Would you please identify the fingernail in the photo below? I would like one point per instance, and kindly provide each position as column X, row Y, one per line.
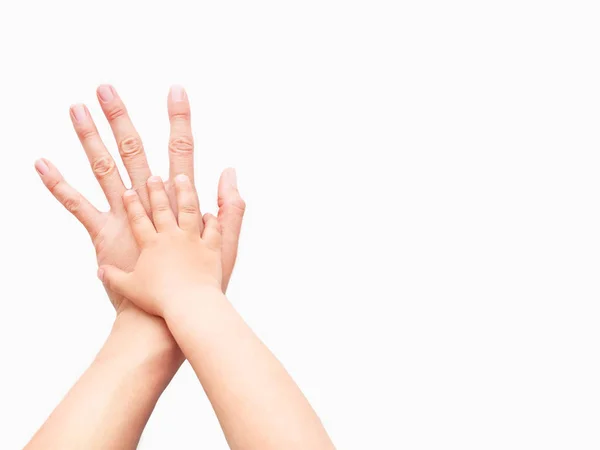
column 154, row 179
column 177, row 93
column 105, row 92
column 78, row 112
column 130, row 193
column 101, row 274
column 231, row 177
column 41, row 167
column 181, row 178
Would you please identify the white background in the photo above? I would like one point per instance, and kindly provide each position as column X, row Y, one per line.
column 421, row 247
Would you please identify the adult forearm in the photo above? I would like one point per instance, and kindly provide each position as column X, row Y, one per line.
column 110, row 404
column 257, row 403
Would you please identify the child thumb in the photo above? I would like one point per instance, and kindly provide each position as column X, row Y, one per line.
column 115, row 279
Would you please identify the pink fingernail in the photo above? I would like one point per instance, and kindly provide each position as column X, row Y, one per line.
column 105, row 92
column 101, row 274
column 154, row 179
column 177, row 93
column 41, row 167
column 78, row 112
column 130, row 193
column 181, row 178
column 231, row 177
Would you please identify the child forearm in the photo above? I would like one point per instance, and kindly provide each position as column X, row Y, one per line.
column 257, row 403
column 178, row 276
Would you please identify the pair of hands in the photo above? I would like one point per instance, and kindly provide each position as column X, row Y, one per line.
column 113, row 240
column 176, row 264
column 160, row 259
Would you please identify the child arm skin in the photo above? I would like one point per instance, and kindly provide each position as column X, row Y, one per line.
column 110, row 404
column 177, row 277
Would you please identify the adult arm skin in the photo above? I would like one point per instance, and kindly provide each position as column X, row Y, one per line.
column 112, row 401
column 110, row 404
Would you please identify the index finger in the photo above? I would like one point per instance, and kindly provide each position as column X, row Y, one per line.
column 128, row 140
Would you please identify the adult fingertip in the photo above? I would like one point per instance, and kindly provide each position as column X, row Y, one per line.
column 106, row 93
column 177, row 93
column 229, row 178
column 41, row 167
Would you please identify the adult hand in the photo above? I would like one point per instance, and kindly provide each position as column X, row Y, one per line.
column 112, row 401
column 110, row 230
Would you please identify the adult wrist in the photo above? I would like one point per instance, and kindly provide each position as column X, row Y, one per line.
column 144, row 340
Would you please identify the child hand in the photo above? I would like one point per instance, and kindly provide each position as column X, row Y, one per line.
column 175, row 262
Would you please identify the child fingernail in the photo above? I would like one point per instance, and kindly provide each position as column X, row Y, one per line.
column 41, row 167
column 181, row 179
column 101, row 274
column 154, row 179
column 130, row 193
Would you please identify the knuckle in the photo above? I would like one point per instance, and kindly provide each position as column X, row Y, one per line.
column 182, row 115
column 162, row 207
column 181, row 146
column 72, row 204
column 103, row 166
column 53, row 185
column 239, row 204
column 137, row 216
column 131, row 147
column 236, row 204
column 87, row 133
column 188, row 209
column 115, row 113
